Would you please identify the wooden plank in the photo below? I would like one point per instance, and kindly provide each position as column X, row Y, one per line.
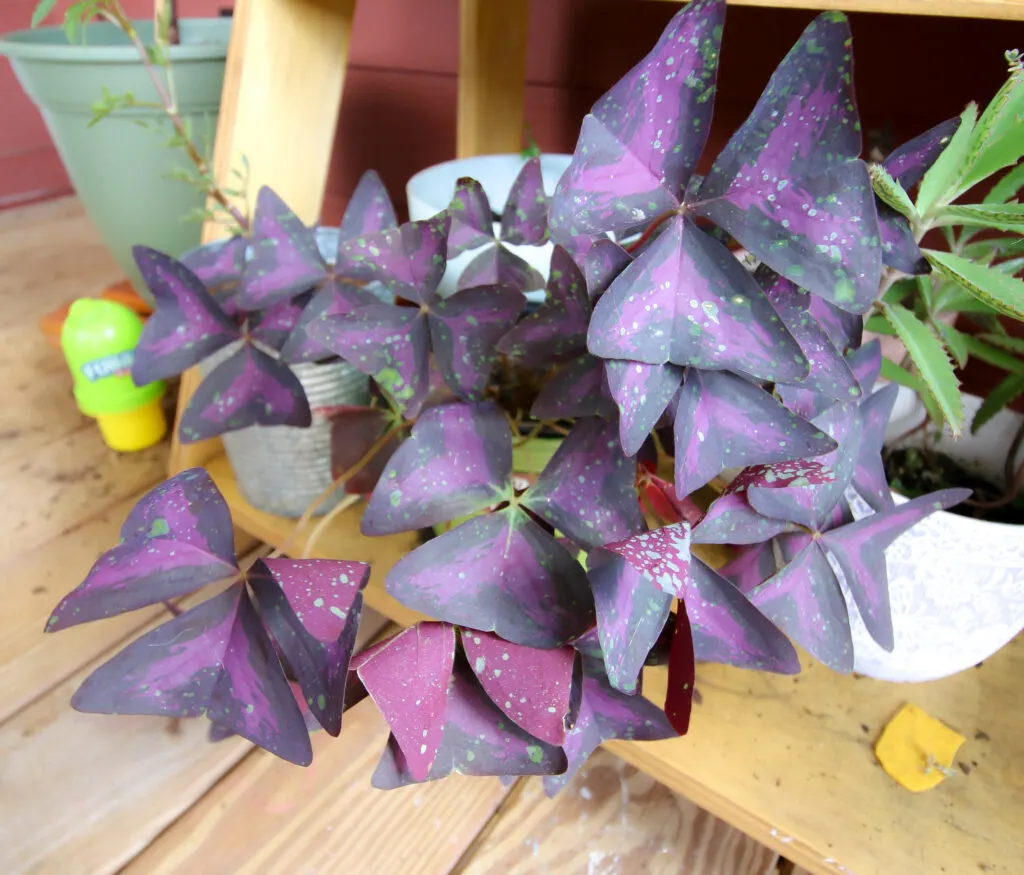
column 341, row 540
column 1000, row 9
column 611, row 818
column 789, row 761
column 492, row 76
column 270, row 818
column 286, row 62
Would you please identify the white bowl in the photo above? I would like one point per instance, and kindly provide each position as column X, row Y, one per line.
column 431, row 190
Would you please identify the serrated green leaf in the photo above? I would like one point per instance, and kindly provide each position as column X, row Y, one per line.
column 998, row 358
column 879, row 325
column 954, row 298
column 1005, row 341
column 988, row 250
column 891, row 192
column 942, row 177
column 996, row 142
column 1004, row 217
column 895, row 374
column 43, row 9
column 900, row 290
column 1011, row 266
column 1001, row 292
column 954, row 342
column 1005, row 392
column 1007, row 187
column 931, row 361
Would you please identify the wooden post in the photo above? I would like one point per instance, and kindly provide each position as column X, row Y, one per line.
column 282, row 93
column 492, row 76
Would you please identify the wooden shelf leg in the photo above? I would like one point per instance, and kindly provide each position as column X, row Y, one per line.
column 492, row 76
column 279, row 109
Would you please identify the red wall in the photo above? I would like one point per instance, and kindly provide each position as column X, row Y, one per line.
column 398, row 112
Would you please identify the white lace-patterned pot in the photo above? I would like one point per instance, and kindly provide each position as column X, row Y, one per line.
column 956, row 584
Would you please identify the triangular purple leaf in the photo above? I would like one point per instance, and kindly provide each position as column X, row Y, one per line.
column 642, row 393
column 899, row 248
column 866, row 364
column 631, row 614
column 662, row 554
column 524, row 221
column 908, row 163
column 284, row 258
column 391, row 344
column 557, row 330
column 536, row 689
column 859, row 548
column 218, row 264
column 641, row 141
column 274, row 325
column 842, row 328
column 723, row 421
column 187, row 325
column 369, row 210
column 750, row 567
column 408, row 260
column 407, row 676
column 602, row 263
column 464, row 331
column 731, row 520
column 458, row 460
column 311, row 607
column 587, row 490
column 215, row 659
column 334, row 298
column 499, row 573
column 177, row 539
column 787, row 185
column 869, row 477
column 497, row 266
column 249, row 388
column 804, row 600
column 478, row 740
column 687, row 300
column 472, row 220
column 576, row 390
column 605, row 714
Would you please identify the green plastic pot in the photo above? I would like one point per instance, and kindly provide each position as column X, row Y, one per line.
column 119, row 168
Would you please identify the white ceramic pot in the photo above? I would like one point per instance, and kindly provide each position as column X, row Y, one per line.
column 431, row 190
column 956, row 584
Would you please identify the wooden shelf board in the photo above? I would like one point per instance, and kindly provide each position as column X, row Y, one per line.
column 788, row 760
column 1012, row 10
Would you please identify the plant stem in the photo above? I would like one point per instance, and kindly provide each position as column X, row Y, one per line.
column 325, row 521
column 648, row 231
column 115, row 14
column 175, row 611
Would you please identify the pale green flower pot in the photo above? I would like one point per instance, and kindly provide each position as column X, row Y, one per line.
column 119, row 168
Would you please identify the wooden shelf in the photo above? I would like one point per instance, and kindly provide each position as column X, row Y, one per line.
column 1001, row 9
column 788, row 760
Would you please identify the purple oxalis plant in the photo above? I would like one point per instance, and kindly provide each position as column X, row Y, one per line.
column 698, row 398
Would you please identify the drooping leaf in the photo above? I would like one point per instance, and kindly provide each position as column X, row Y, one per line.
column 859, row 548
column 557, row 330
column 524, row 221
column 214, row 660
column 930, row 359
column 354, row 432
column 369, row 210
column 688, row 301
column 670, row 507
column 407, row 676
column 391, row 344
column 177, row 539
column 478, row 740
column 941, row 178
column 464, row 333
column 804, row 600
column 631, row 614
column 587, row 490
column 642, row 393
column 500, row 573
column 471, row 220
column 538, row 690
column 284, row 259
column 605, row 714
column 640, row 142
column 409, row 260
column 311, row 607
column 331, row 299
column 187, row 324
column 682, row 670
column 723, row 421
column 248, row 388
column 788, row 184
column 458, row 460
column 577, row 390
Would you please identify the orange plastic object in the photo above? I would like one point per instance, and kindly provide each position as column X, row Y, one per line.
column 122, row 292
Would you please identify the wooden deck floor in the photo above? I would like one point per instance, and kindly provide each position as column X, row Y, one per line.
column 86, row 794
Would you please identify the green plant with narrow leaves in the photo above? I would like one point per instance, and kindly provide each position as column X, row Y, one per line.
column 222, row 201
column 977, row 279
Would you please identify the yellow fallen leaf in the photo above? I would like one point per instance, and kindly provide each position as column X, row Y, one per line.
column 916, row 750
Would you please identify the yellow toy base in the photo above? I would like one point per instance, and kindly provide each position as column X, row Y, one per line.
column 134, row 430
